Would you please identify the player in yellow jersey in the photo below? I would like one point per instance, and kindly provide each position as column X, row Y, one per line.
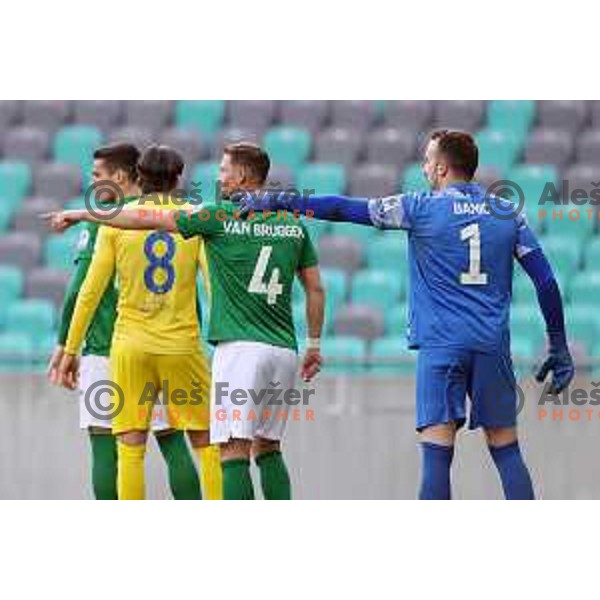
column 156, row 342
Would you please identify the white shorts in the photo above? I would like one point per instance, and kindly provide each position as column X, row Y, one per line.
column 92, row 371
column 260, row 375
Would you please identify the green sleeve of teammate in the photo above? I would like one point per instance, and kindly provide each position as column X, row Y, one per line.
column 83, row 264
column 204, row 222
column 308, row 254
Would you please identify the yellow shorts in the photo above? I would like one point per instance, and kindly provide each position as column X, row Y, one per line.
column 183, row 381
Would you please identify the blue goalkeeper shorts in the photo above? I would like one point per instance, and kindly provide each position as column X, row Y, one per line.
column 446, row 377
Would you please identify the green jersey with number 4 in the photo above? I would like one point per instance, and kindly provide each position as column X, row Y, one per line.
column 252, row 264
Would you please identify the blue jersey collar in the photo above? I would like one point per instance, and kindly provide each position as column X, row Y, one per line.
column 468, row 188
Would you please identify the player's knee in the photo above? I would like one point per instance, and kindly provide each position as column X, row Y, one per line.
column 264, row 446
column 133, row 438
column 236, row 448
column 442, row 434
column 199, row 439
column 501, row 436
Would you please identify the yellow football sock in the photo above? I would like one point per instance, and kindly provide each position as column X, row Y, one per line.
column 211, row 474
column 130, row 474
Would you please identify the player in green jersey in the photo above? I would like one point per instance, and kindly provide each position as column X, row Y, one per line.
column 252, row 264
column 114, row 169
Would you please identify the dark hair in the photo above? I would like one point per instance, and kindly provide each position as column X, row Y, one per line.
column 120, row 156
column 251, row 158
column 159, row 169
column 459, row 149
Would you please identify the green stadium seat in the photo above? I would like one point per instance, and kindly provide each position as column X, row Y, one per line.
column 413, row 179
column 60, row 250
column 584, row 287
column 323, row 178
column 335, row 284
column 204, row 115
column 526, row 320
column 564, row 253
column 344, row 355
column 289, row 146
column 34, row 318
column 316, row 228
column 591, row 254
column 377, row 288
column 204, row 179
column 15, row 183
column 77, row 203
column 396, row 320
column 498, row 148
column 533, row 179
column 16, row 352
column 11, row 287
column 525, row 351
column 575, row 232
column 389, row 251
column 582, row 326
column 358, row 232
column 524, row 290
column 75, row 144
column 391, row 356
column 511, row 115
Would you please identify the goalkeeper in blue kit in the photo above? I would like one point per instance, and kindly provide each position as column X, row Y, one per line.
column 461, row 258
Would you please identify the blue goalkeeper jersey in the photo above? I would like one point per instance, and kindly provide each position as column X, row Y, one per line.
column 461, row 260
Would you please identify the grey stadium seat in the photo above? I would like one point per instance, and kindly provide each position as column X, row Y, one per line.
column 340, row 252
column 280, row 176
column 373, row 180
column 357, row 114
column 28, row 144
column 390, row 146
column 104, row 114
column 28, row 217
column 465, row 115
column 149, row 114
column 581, row 177
column 47, row 114
column 549, row 147
column 56, row 180
column 595, row 112
column 186, row 141
column 21, row 249
column 414, row 115
column 46, row 283
column 588, row 147
column 310, row 114
column 338, row 145
column 359, row 320
column 230, row 135
column 10, row 113
column 251, row 114
column 486, row 176
column 139, row 136
column 569, row 115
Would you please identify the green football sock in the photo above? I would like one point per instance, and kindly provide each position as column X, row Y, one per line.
column 274, row 476
column 237, row 483
column 104, row 465
column 183, row 477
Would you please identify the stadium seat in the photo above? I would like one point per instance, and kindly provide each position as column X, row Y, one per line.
column 488, row 176
column 76, row 203
column 359, row 320
column 46, row 114
column 338, row 145
column 526, row 321
column 369, row 181
column 15, row 181
column 76, row 145
column 149, row 114
column 340, row 252
column 16, row 352
column 568, row 115
column 413, row 179
column 578, row 232
column 21, row 249
column 48, row 284
column 525, row 353
column 131, row 134
column 391, row 356
column 588, row 147
column 203, row 179
column 511, row 115
column 231, row 135
column 549, row 147
column 584, row 287
column 581, row 176
column 582, row 327
column 391, row 146
column 322, row 178
column 308, row 114
column 343, row 354
column 533, row 180
column 411, row 115
column 389, row 251
column 377, row 288
column 59, row 251
column 205, row 116
column 251, row 114
column 103, row 114
column 396, row 320
column 288, row 145
column 186, row 141
column 356, row 114
column 28, row 217
column 498, row 148
column 316, row 229
column 465, row 115
column 281, row 177
column 359, row 232
column 591, row 254
column 564, row 253
column 11, row 287
column 10, row 112
column 32, row 317
column 27, row 144
column 57, row 180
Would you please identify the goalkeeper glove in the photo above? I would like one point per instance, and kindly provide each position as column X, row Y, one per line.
column 560, row 363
